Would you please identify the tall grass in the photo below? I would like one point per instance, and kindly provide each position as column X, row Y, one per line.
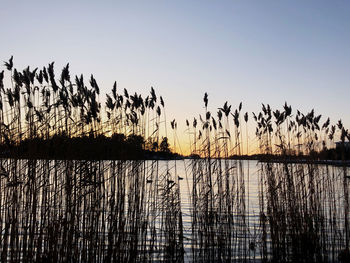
column 132, row 210
column 298, row 202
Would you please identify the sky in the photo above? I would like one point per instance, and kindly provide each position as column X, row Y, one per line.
column 250, row 51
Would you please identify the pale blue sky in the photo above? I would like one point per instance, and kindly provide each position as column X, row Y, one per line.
column 250, row 51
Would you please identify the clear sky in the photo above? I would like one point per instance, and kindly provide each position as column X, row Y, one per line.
column 250, row 51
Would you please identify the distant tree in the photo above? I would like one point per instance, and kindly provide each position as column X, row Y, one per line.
column 135, row 141
column 154, row 146
column 118, row 137
column 164, row 145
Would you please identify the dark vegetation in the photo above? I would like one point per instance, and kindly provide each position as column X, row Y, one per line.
column 45, row 118
column 303, row 213
column 60, row 147
column 61, row 202
column 42, row 114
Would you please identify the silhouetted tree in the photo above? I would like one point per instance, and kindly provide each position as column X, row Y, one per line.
column 164, row 145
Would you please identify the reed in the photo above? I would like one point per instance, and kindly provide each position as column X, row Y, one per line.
column 87, row 208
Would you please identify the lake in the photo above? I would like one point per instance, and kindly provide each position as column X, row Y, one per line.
column 196, row 210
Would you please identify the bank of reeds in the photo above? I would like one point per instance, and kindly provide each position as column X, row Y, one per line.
column 58, row 208
column 302, row 214
column 40, row 112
